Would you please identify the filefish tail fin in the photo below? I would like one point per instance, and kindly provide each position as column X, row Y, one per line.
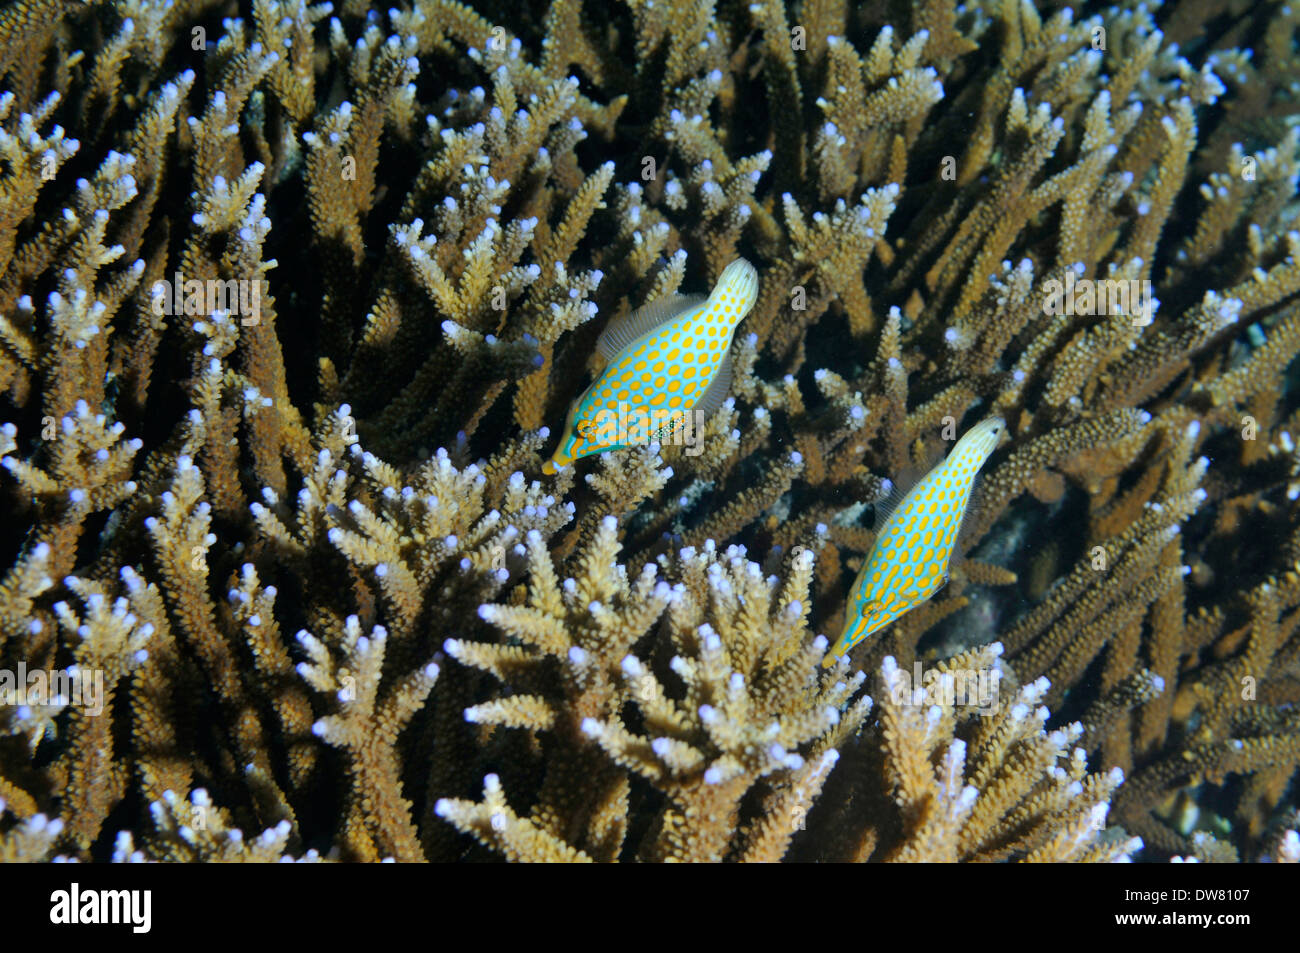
column 739, row 282
column 989, row 433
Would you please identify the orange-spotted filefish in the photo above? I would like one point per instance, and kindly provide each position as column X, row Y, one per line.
column 666, row 360
column 909, row 561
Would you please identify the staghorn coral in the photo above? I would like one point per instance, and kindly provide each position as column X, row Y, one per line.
column 1017, row 802
column 291, row 314
column 750, row 700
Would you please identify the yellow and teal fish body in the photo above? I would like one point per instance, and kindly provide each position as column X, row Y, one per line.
column 666, row 360
column 909, row 561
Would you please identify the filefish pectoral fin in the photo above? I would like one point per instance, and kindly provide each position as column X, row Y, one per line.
column 934, row 585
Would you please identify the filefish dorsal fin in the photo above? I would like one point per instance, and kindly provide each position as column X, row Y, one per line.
column 623, row 330
column 885, row 506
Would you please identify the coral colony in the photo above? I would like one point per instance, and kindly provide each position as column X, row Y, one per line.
column 339, row 524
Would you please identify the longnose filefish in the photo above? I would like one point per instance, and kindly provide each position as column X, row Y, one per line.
column 909, row 561
column 666, row 360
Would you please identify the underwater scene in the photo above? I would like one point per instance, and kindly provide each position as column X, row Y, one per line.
column 649, row 430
